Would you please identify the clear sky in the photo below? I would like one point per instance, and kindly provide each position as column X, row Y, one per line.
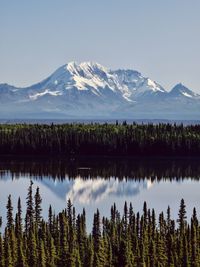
column 160, row 38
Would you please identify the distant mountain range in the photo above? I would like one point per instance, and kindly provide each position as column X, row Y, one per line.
column 91, row 91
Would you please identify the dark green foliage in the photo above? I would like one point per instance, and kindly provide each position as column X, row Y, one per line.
column 8, row 259
column 130, row 240
column 38, row 208
column 9, row 215
column 100, row 139
column 2, row 258
column 41, row 256
column 182, row 216
column 30, row 209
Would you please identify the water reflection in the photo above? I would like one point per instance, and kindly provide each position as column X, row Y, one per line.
column 99, row 183
column 94, row 191
column 155, row 169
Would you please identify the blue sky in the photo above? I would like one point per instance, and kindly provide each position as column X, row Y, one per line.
column 159, row 38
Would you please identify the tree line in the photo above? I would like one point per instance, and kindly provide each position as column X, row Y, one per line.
column 126, row 240
column 73, row 140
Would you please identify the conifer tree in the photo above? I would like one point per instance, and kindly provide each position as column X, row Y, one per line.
column 41, row 255
column 50, row 220
column 21, row 259
column 185, row 257
column 8, row 260
column 38, row 208
column 29, row 219
column 126, row 240
column 182, row 216
column 195, row 261
column 161, row 251
column 32, row 249
column 98, row 244
column 152, row 254
column 10, row 230
column 89, row 253
column 9, row 215
column 18, row 221
column 63, row 240
column 1, row 252
column 52, row 254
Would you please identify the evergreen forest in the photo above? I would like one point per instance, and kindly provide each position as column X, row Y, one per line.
column 129, row 239
column 74, row 140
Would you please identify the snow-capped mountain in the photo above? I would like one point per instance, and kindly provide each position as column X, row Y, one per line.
column 180, row 90
column 89, row 90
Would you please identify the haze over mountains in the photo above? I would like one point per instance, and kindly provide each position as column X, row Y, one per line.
column 89, row 90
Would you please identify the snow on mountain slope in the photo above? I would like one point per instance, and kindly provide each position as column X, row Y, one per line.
column 99, row 81
column 180, row 90
column 71, row 78
column 137, row 85
column 91, row 90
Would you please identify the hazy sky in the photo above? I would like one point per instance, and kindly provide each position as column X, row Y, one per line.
column 159, row 38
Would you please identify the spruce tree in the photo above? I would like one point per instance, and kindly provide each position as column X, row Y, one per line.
column 97, row 241
column 182, row 216
column 1, row 252
column 41, row 255
column 29, row 219
column 52, row 254
column 9, row 215
column 195, row 261
column 152, row 254
column 32, row 249
column 18, row 220
column 38, row 208
column 64, row 249
column 50, row 220
column 21, row 259
column 8, row 260
column 185, row 256
column 10, row 230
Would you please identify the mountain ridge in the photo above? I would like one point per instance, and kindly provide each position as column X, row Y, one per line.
column 89, row 89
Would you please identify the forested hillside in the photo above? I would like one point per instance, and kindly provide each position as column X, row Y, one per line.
column 130, row 239
column 74, row 140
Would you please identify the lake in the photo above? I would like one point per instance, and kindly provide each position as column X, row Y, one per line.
column 98, row 183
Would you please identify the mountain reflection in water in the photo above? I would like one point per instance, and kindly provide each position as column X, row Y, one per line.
column 96, row 190
column 99, row 183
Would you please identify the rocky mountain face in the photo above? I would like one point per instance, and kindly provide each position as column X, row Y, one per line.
column 89, row 90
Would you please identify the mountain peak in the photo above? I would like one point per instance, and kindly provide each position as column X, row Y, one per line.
column 88, row 89
column 179, row 86
column 181, row 90
column 85, row 68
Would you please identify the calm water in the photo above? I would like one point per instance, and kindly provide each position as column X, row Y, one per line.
column 99, row 183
